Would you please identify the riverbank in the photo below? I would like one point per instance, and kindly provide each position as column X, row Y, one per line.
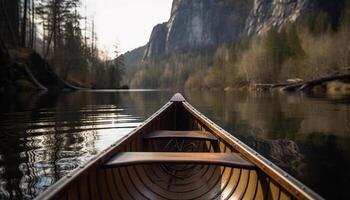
column 23, row 69
column 337, row 84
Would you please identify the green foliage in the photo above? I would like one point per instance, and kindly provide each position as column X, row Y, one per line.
column 294, row 48
column 330, row 17
column 345, row 19
column 333, row 10
column 276, row 50
column 25, row 84
column 171, row 72
column 71, row 53
column 149, row 76
column 317, row 23
column 115, row 70
column 297, row 50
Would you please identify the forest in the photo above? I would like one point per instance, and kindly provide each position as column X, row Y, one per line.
column 53, row 40
column 313, row 46
column 53, row 37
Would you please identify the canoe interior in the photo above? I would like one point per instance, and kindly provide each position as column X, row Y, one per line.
column 168, row 181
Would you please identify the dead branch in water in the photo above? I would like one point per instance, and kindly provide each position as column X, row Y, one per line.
column 304, row 85
column 309, row 84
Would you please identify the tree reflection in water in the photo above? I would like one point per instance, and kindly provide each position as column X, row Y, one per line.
column 44, row 136
column 307, row 136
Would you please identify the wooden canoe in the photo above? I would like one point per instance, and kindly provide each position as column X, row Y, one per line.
column 178, row 154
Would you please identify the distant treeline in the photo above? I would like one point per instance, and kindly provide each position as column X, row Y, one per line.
column 61, row 35
column 315, row 45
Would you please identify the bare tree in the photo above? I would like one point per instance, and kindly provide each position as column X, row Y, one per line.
column 24, row 23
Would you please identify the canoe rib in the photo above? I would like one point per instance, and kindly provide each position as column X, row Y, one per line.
column 139, row 158
column 108, row 176
column 198, row 135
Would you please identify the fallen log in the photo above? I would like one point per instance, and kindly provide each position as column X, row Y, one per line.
column 35, row 81
column 285, row 84
column 277, row 85
column 305, row 85
column 292, row 87
column 310, row 84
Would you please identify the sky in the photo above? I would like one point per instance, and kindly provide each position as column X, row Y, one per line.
column 128, row 23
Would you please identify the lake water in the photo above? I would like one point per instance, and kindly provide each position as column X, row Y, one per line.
column 45, row 136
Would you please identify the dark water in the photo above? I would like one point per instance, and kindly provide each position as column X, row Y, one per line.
column 44, row 136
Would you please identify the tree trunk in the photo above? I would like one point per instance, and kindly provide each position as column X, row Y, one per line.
column 9, row 21
column 348, row 56
column 54, row 26
column 3, row 48
column 24, row 23
column 32, row 33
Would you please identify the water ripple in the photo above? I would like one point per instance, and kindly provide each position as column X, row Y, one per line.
column 38, row 147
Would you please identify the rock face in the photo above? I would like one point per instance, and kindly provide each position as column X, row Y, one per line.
column 135, row 56
column 157, row 42
column 196, row 24
column 268, row 13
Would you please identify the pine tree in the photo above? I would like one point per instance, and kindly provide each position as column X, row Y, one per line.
column 9, row 21
column 55, row 14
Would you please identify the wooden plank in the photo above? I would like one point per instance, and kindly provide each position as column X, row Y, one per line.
column 198, row 135
column 139, row 158
column 290, row 184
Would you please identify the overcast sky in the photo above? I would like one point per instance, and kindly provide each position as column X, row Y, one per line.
column 128, row 22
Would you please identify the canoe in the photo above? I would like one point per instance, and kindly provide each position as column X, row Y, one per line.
column 178, row 154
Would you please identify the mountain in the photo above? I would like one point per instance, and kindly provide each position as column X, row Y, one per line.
column 197, row 24
column 135, row 56
column 201, row 24
column 268, row 13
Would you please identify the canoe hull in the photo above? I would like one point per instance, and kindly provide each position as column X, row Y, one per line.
column 178, row 181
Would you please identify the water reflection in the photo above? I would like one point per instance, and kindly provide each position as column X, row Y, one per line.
column 308, row 137
column 44, row 136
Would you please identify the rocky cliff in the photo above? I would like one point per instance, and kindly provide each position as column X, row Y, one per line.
column 135, row 56
column 267, row 13
column 196, row 24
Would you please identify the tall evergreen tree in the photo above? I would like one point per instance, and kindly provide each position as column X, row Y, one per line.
column 9, row 21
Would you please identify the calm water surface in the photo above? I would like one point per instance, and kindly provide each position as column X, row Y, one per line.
column 45, row 136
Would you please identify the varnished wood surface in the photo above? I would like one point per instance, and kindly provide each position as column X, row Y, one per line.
column 165, row 134
column 139, row 158
column 146, row 174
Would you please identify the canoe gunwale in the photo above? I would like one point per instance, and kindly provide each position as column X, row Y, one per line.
column 291, row 184
column 96, row 161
